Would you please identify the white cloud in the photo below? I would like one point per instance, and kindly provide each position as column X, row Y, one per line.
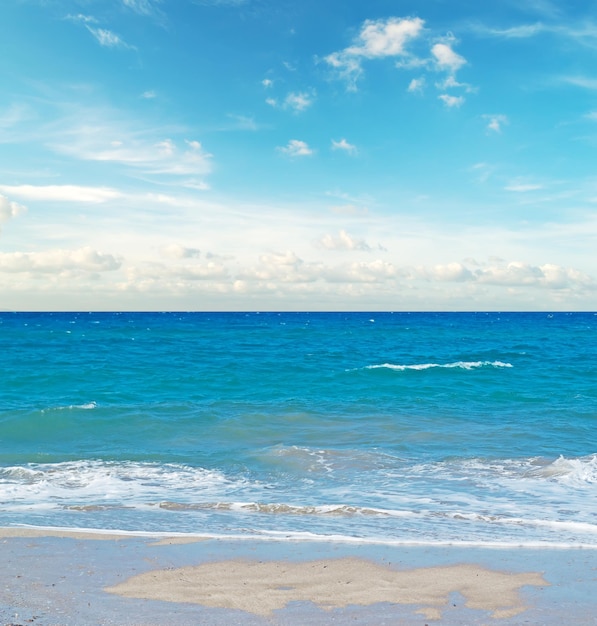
column 377, row 39
column 377, row 271
column 451, row 101
column 523, row 187
column 416, row 85
column 296, row 148
column 451, row 83
column 14, row 115
column 343, row 241
column 9, row 209
column 298, row 101
column 57, row 261
column 85, row 19
column 112, row 142
column 549, row 276
column 451, row 272
column 62, row 193
column 483, row 171
column 143, row 7
column 149, row 95
column 104, row 37
column 107, row 38
column 495, row 122
column 267, row 83
column 500, row 273
column 515, row 32
column 581, row 81
column 383, row 38
column 344, row 146
column 446, row 58
column 177, row 251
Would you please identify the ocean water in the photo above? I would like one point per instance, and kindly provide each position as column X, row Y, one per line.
column 425, row 428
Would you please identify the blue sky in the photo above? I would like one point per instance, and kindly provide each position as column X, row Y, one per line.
column 274, row 154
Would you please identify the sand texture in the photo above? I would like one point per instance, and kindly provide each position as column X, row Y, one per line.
column 264, row 587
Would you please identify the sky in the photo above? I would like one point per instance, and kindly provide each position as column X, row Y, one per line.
column 282, row 155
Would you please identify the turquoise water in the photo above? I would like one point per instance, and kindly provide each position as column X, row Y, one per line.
column 386, row 427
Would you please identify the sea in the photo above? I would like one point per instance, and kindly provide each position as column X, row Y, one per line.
column 476, row 429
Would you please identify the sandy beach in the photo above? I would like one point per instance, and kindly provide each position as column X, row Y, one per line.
column 53, row 578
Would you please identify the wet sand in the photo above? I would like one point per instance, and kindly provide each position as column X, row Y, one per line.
column 52, row 578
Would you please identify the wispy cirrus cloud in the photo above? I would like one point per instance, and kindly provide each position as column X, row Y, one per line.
column 61, row 193
column 142, row 7
column 105, row 37
column 113, row 142
column 522, row 187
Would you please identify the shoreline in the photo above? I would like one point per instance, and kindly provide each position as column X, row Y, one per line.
column 280, row 537
column 59, row 576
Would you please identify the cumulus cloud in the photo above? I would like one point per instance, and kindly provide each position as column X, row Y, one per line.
column 267, row 83
column 57, row 261
column 451, row 101
column 495, row 122
column 278, row 267
column 446, row 59
column 62, row 193
column 451, row 272
column 343, row 241
column 549, row 276
column 344, row 146
column 9, row 209
column 298, row 101
column 416, row 85
column 296, row 148
column 177, row 251
column 368, row 272
column 506, row 274
column 376, row 39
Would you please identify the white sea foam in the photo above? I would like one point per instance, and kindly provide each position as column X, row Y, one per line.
column 98, row 482
column 87, row 406
column 579, row 471
column 466, row 365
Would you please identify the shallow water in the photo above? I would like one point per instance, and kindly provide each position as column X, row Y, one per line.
column 421, row 427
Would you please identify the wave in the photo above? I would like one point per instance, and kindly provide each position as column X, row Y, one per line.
column 465, row 365
column 341, row 510
column 87, row 406
column 107, row 481
column 579, row 471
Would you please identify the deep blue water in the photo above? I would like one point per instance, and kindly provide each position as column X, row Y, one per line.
column 396, row 427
